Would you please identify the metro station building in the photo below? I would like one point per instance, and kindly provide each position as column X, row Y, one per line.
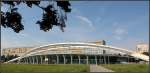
column 79, row 53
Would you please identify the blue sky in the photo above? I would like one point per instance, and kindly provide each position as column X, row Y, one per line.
column 121, row 24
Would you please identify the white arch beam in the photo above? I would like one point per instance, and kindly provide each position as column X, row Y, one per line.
column 74, row 44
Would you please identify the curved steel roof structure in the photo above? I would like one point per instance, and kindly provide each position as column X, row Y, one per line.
column 79, row 48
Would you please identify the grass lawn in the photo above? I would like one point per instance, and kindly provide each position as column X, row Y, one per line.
column 127, row 67
column 43, row 68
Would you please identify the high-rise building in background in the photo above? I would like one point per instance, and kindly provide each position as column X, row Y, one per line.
column 142, row 48
column 15, row 51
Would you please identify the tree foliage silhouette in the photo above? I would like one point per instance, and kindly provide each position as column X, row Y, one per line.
column 53, row 14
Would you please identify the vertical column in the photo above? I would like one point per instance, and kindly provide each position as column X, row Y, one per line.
column 30, row 59
column 24, row 60
column 87, row 59
column 79, row 59
column 99, row 59
column 104, row 59
column 27, row 60
column 37, row 60
column 71, row 58
column 33, row 59
column 128, row 59
column 64, row 59
column 108, row 60
column 96, row 59
column 57, row 59
column 41, row 59
column 21, row 61
column 48, row 59
column 104, row 53
column 45, row 60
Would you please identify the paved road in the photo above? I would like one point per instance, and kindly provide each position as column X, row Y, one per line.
column 97, row 68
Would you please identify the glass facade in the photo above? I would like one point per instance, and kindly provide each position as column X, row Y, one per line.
column 75, row 54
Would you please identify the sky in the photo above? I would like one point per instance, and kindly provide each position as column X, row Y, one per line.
column 122, row 24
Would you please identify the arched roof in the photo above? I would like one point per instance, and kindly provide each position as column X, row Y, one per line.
column 55, row 46
column 78, row 44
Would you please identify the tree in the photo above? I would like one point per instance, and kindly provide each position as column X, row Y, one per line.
column 3, row 58
column 53, row 14
column 15, row 56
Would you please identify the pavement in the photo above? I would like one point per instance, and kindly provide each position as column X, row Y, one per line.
column 98, row 68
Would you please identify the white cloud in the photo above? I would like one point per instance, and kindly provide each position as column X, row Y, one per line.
column 120, row 31
column 118, row 37
column 86, row 20
column 115, row 24
column 98, row 20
